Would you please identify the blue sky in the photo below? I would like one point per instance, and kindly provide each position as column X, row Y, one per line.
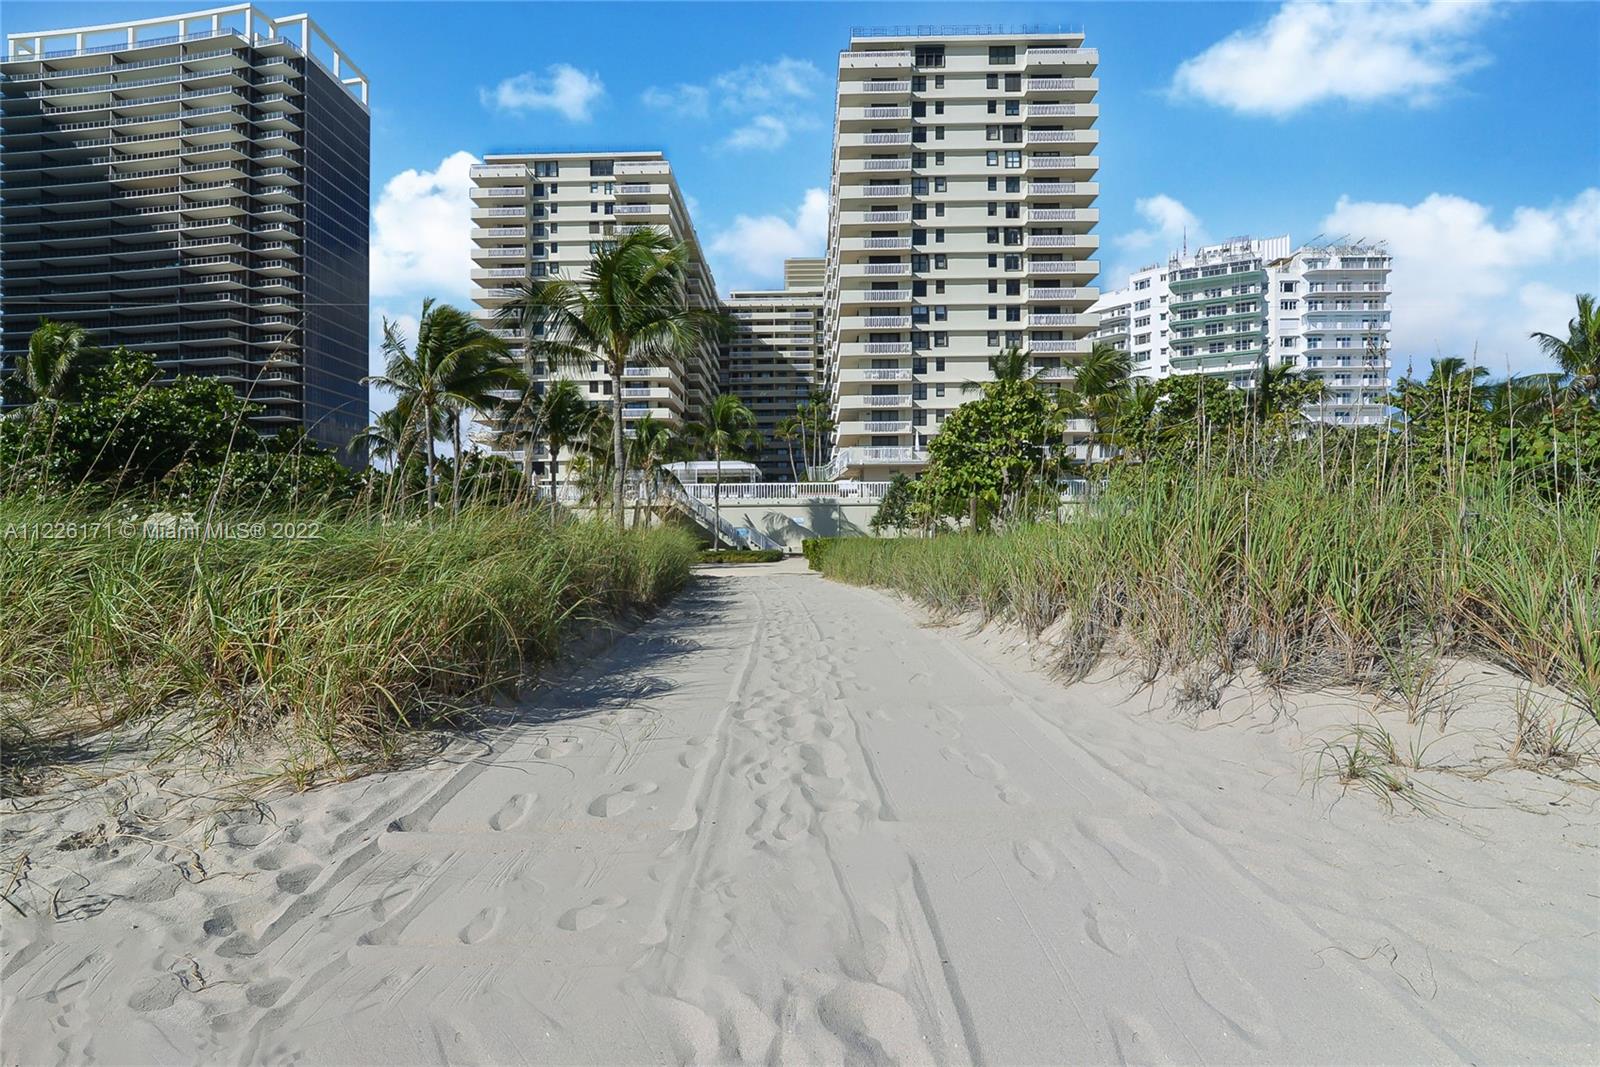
column 1464, row 134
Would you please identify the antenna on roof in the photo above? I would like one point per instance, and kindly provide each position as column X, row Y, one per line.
column 1186, row 238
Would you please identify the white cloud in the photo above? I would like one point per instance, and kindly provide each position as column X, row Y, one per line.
column 762, row 132
column 758, row 86
column 1168, row 225
column 421, row 232
column 686, row 101
column 780, row 97
column 1464, row 283
column 1355, row 52
column 563, row 89
column 753, row 249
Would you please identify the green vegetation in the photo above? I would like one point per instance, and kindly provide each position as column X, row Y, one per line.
column 629, row 309
column 1309, row 579
column 331, row 636
column 742, row 555
column 1226, row 530
column 816, row 549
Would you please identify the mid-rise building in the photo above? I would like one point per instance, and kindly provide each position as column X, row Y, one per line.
column 773, row 358
column 537, row 215
column 195, row 187
column 1225, row 308
column 962, row 203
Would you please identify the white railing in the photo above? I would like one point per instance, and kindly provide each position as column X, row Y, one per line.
column 793, row 492
column 886, row 216
column 726, row 531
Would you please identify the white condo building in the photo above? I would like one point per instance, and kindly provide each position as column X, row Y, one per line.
column 541, row 214
column 773, row 358
column 1322, row 308
column 962, row 204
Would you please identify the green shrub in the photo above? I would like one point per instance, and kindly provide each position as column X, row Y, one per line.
column 742, row 555
column 341, row 637
column 815, row 549
column 1310, row 582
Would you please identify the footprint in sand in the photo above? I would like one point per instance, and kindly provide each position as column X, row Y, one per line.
column 1132, row 858
column 587, row 915
column 296, row 880
column 1108, row 928
column 695, row 753
column 557, row 747
column 1135, row 1040
column 1225, row 991
column 1035, row 859
column 482, row 925
column 613, row 804
column 513, row 813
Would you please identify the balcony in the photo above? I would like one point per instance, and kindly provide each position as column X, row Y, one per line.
column 1054, row 110
column 875, row 113
column 498, row 192
column 1082, row 192
column 875, row 374
column 852, row 87
column 1034, row 136
column 874, row 192
column 892, row 165
column 887, row 426
column 875, row 296
column 893, row 59
column 1055, row 319
column 500, row 212
column 1063, row 215
column 1085, row 241
column 857, row 270
column 641, row 209
column 1078, row 165
column 1072, row 57
column 1063, row 266
column 878, row 322
column 875, row 400
column 647, row 372
column 1080, row 346
column 494, row 170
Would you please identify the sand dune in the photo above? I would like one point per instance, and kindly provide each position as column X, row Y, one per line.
column 784, row 823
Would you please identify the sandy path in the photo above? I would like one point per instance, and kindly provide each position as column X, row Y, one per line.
column 783, row 823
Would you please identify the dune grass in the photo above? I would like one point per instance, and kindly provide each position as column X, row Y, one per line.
column 336, row 643
column 1312, row 584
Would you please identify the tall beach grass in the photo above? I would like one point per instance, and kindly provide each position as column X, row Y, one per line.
column 334, row 637
column 1310, row 583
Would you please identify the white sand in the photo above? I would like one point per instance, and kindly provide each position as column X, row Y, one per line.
column 785, row 823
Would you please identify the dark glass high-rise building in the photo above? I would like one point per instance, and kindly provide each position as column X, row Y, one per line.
column 195, row 187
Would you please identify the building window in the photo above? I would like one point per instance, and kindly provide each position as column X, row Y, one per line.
column 1002, row 53
column 1013, row 158
column 991, row 159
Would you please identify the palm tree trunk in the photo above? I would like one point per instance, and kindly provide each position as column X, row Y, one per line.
column 427, row 429
column 789, row 447
column 527, row 466
column 805, row 456
column 716, row 500
column 555, row 450
column 455, row 477
column 618, row 454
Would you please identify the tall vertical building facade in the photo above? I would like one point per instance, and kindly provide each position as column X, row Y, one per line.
column 1223, row 309
column 962, row 203
column 195, row 187
column 538, row 215
column 773, row 358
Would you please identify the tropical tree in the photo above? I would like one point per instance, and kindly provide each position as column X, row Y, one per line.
column 654, row 444
column 564, row 417
column 1578, row 354
column 58, row 353
column 992, row 457
column 629, row 308
column 729, row 428
column 455, row 363
column 1098, row 383
column 789, row 430
column 1010, row 364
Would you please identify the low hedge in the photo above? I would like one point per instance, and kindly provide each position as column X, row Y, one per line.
column 741, row 555
column 815, row 548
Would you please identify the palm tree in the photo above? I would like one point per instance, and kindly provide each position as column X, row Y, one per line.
column 654, row 444
column 1578, row 354
column 729, row 427
column 1011, row 364
column 789, row 430
column 480, row 377
column 630, row 308
column 1099, row 381
column 454, row 362
column 57, row 351
column 565, row 416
